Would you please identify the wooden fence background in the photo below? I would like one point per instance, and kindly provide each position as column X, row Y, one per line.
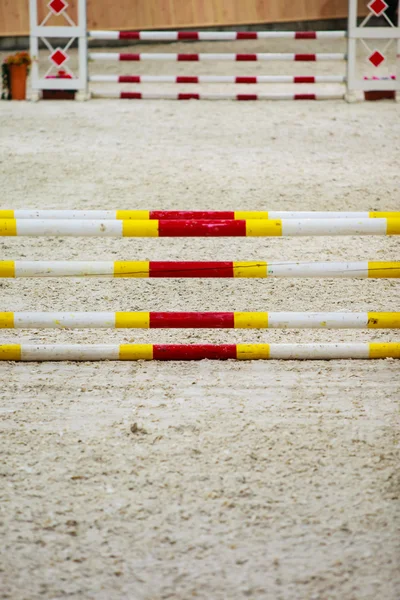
column 169, row 14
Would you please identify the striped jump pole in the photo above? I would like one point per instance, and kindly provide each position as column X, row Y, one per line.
column 199, row 320
column 187, row 215
column 212, row 96
column 210, row 36
column 86, row 352
column 252, row 57
column 217, row 79
column 199, row 270
column 192, row 228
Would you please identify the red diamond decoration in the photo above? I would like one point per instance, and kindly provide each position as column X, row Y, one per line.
column 59, row 57
column 378, row 7
column 376, row 58
column 57, row 6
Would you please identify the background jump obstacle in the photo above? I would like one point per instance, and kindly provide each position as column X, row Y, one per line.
column 84, row 352
column 199, row 320
column 192, row 228
column 74, row 26
column 199, row 269
column 189, row 79
column 211, row 96
column 200, row 215
column 213, row 36
column 250, row 57
column 211, row 215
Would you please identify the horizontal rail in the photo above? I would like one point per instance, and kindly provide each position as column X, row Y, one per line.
column 199, row 270
column 210, row 215
column 203, row 228
column 86, row 352
column 209, row 36
column 199, row 320
column 211, row 96
column 249, row 57
column 239, row 79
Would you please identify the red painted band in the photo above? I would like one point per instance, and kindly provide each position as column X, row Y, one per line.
column 192, row 214
column 129, row 56
column 188, row 57
column 246, row 35
column 202, row 228
column 246, row 57
column 129, row 79
column 185, row 79
column 194, row 352
column 304, row 97
column 191, row 269
column 245, row 79
column 131, row 96
column 247, row 97
column 188, row 35
column 129, row 35
column 187, row 320
column 304, row 79
column 305, row 57
column 305, row 35
column 188, row 96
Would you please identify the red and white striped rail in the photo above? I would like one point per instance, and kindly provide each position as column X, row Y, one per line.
column 211, row 96
column 217, row 79
column 209, row 36
column 252, row 57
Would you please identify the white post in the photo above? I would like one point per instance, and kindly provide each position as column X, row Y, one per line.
column 68, row 32
column 368, row 36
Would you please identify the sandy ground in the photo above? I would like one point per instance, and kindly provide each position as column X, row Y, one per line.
column 263, row 480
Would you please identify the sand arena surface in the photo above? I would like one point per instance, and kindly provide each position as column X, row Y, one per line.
column 263, row 480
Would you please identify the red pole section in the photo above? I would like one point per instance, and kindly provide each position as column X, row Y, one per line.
column 191, row 269
column 201, row 228
column 191, row 352
column 185, row 320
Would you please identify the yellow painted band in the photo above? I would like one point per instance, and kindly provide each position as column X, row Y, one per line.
column 266, row 227
column 250, row 269
column 382, row 350
column 6, row 214
column 250, row 214
column 252, row 351
column 138, row 215
column 140, row 228
column 139, row 320
column 385, row 320
column 249, row 320
column 131, row 268
column 8, row 227
column 384, row 269
column 10, row 352
column 393, row 226
column 136, row 352
column 384, row 215
column 7, row 268
column 6, row 320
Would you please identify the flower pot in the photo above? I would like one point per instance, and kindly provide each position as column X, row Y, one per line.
column 18, row 76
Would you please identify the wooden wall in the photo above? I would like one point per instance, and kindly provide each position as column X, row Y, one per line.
column 160, row 14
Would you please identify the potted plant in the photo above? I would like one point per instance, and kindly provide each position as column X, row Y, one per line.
column 15, row 70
